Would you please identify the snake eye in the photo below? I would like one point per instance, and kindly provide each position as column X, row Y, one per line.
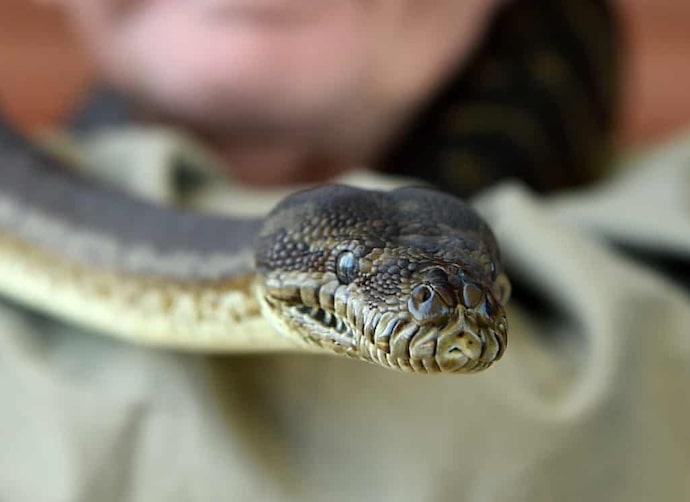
column 347, row 267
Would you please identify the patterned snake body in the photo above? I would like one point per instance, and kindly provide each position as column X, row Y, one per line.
column 408, row 279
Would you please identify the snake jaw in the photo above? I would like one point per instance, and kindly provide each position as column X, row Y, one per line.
column 325, row 326
column 316, row 310
column 467, row 334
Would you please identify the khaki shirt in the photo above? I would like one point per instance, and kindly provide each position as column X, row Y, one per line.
column 590, row 402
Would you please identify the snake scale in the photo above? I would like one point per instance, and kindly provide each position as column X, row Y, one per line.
column 409, row 279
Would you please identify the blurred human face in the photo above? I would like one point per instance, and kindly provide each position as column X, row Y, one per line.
column 336, row 77
column 267, row 64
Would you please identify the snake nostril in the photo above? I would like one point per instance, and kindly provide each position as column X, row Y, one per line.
column 421, row 294
column 472, row 296
column 426, row 305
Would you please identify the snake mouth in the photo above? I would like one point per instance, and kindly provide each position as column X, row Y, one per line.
column 466, row 339
column 326, row 325
column 467, row 343
column 471, row 342
column 325, row 318
column 320, row 313
column 314, row 324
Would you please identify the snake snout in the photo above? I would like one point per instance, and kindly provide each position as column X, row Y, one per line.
column 471, row 347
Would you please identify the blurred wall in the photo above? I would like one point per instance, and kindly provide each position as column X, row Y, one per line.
column 656, row 84
column 43, row 69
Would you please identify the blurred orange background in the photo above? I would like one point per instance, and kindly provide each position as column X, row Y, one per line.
column 43, row 69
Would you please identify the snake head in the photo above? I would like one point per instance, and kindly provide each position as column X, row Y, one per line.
column 408, row 279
